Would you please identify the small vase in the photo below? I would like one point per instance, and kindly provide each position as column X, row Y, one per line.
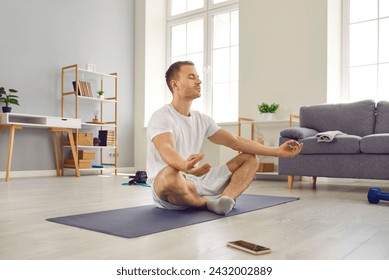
column 7, row 109
column 101, row 96
column 268, row 116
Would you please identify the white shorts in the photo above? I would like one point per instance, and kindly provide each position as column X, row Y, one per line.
column 211, row 184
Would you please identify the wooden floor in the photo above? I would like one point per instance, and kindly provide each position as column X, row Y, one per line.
column 332, row 222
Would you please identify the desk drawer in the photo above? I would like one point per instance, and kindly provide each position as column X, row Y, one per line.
column 63, row 122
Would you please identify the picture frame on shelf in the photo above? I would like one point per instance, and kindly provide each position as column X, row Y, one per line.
column 91, row 67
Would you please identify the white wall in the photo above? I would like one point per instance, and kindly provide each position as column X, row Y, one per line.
column 37, row 39
column 283, row 54
column 334, row 52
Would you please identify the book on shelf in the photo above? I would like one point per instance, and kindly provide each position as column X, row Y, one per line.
column 75, row 87
column 89, row 89
column 84, row 88
column 107, row 137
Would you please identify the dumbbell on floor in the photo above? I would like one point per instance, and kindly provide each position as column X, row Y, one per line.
column 375, row 195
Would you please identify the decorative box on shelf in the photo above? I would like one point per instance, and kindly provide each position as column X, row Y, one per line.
column 84, row 139
column 86, row 154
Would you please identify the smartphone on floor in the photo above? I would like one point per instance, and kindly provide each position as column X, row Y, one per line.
column 249, row 247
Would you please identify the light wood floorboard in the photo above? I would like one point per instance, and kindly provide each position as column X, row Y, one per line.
column 332, row 222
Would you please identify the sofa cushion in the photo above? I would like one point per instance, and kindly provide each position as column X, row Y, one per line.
column 297, row 133
column 375, row 144
column 382, row 118
column 356, row 118
column 342, row 144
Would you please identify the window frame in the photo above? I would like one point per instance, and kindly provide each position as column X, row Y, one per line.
column 169, row 17
column 345, row 54
column 207, row 12
column 216, row 11
column 182, row 20
column 345, row 57
column 208, row 5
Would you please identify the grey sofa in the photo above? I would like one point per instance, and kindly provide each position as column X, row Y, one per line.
column 361, row 152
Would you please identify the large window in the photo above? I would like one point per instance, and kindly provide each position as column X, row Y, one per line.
column 366, row 49
column 207, row 33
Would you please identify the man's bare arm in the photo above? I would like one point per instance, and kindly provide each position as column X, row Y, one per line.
column 223, row 137
column 166, row 147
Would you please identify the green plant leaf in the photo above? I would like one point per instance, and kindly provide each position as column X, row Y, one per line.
column 266, row 108
column 9, row 98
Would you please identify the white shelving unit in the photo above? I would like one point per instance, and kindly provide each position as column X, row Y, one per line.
column 79, row 99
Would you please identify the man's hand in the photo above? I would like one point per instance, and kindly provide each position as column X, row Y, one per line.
column 290, row 148
column 191, row 168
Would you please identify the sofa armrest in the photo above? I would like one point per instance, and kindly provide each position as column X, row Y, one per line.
column 298, row 133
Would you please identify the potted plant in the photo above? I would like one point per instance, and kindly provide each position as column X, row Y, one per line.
column 101, row 94
column 268, row 110
column 8, row 98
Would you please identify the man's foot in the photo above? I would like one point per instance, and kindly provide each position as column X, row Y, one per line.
column 221, row 206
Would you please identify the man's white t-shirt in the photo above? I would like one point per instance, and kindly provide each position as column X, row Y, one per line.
column 189, row 134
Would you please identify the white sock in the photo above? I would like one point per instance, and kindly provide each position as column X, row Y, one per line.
column 221, row 206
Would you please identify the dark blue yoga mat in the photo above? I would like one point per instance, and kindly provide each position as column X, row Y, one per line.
column 143, row 220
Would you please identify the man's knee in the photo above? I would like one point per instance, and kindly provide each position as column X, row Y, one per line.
column 248, row 159
column 243, row 159
column 251, row 160
column 168, row 179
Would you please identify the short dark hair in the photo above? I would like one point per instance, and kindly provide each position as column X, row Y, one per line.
column 173, row 70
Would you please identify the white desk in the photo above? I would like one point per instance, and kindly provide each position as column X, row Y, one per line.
column 14, row 121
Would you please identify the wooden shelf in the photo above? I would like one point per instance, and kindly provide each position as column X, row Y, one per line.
column 106, row 167
column 265, row 122
column 93, row 124
column 89, row 99
column 74, row 81
column 93, row 147
column 91, row 74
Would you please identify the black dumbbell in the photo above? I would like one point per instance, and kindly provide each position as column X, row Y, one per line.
column 375, row 195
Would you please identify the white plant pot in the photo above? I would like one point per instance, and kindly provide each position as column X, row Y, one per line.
column 268, row 116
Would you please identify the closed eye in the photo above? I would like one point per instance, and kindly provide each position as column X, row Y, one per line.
column 192, row 76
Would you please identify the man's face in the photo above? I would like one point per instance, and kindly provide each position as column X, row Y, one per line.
column 188, row 82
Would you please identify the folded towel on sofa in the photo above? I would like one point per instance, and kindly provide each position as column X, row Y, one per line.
column 327, row 136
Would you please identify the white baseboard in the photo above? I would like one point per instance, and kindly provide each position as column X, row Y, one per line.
column 30, row 173
column 51, row 173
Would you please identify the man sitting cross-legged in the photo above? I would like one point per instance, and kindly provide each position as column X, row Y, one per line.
column 175, row 135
